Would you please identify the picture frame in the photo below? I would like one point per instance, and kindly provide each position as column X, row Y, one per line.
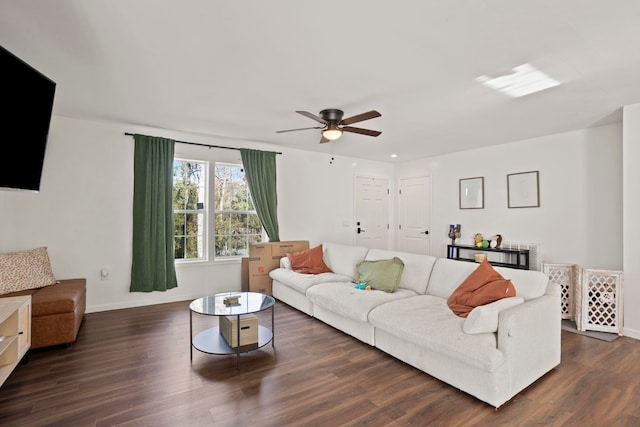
column 472, row 193
column 523, row 190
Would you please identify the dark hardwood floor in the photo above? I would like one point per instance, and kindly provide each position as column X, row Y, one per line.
column 131, row 368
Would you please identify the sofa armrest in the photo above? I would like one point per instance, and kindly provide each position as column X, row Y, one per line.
column 529, row 336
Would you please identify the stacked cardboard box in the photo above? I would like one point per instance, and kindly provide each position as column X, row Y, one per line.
column 264, row 257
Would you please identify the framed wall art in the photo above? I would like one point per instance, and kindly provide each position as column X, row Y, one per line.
column 523, row 190
column 472, row 193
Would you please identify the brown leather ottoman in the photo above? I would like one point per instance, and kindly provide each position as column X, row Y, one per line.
column 56, row 312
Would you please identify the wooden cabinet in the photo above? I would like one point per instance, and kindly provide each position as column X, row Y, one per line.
column 15, row 332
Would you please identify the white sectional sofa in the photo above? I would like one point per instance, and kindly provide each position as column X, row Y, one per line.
column 415, row 324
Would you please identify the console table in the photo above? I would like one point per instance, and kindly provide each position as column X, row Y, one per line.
column 521, row 255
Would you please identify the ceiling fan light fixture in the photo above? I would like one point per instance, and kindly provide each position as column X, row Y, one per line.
column 334, row 124
column 332, row 133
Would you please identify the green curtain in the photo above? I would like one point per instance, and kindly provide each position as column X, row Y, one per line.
column 153, row 267
column 260, row 170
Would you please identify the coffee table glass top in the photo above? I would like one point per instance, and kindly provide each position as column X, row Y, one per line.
column 248, row 302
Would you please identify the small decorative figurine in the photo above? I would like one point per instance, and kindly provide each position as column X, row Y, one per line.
column 477, row 240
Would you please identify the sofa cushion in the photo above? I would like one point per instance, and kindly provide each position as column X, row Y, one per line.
column 62, row 297
column 484, row 318
column 417, row 268
column 308, row 261
column 428, row 322
column 383, row 275
column 302, row 282
column 24, row 270
column 342, row 259
column 529, row 283
column 483, row 286
column 344, row 299
column 447, row 275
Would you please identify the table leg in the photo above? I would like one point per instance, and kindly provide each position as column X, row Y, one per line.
column 238, row 344
column 273, row 329
column 191, row 335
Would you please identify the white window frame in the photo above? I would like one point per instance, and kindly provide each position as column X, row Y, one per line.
column 215, row 211
column 203, row 244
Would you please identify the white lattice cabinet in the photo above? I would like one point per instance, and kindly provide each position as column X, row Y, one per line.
column 565, row 275
column 590, row 297
column 15, row 330
column 599, row 301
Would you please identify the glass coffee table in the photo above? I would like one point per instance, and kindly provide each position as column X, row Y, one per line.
column 211, row 340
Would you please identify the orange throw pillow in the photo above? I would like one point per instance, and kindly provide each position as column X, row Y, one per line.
column 483, row 286
column 308, row 261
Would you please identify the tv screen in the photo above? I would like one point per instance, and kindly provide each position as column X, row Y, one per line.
column 27, row 100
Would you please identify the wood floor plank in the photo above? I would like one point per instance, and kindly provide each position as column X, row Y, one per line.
column 132, row 368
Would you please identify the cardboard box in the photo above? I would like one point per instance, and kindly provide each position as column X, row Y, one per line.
column 259, row 279
column 262, row 284
column 280, row 249
column 244, row 274
column 264, row 257
column 254, row 275
column 248, row 331
column 260, row 249
column 277, row 249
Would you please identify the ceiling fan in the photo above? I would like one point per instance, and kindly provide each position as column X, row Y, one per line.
column 334, row 124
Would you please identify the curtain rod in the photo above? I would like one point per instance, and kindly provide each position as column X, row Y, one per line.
column 202, row 145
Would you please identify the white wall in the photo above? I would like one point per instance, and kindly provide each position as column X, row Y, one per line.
column 580, row 218
column 580, row 215
column 83, row 211
column 631, row 210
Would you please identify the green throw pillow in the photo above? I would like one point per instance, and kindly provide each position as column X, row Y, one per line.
column 383, row 275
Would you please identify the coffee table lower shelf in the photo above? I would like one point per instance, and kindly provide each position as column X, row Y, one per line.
column 211, row 341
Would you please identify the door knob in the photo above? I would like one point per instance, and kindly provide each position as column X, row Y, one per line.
column 360, row 230
column 425, row 232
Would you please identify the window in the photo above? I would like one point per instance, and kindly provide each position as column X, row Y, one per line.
column 236, row 222
column 189, row 209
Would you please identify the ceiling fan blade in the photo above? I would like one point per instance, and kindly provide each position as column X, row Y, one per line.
column 323, row 140
column 360, row 117
column 293, row 130
column 312, row 116
column 368, row 132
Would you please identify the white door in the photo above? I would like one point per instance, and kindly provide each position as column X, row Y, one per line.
column 372, row 212
column 414, row 215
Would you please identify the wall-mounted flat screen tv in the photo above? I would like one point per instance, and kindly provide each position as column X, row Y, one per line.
column 27, row 104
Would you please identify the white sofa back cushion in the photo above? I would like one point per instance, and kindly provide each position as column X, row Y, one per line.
column 417, row 268
column 342, row 259
column 529, row 284
column 448, row 274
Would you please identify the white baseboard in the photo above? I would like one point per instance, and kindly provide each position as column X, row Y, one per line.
column 132, row 304
column 631, row 333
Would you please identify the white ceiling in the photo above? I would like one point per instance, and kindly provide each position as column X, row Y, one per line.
column 240, row 69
